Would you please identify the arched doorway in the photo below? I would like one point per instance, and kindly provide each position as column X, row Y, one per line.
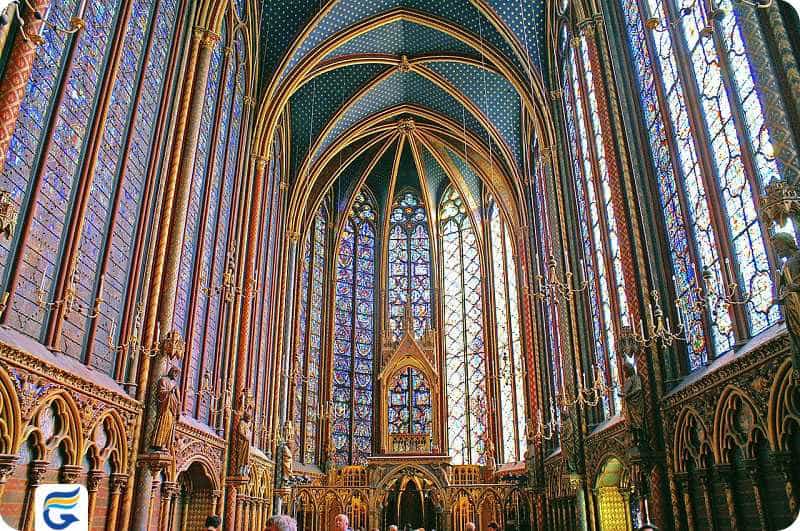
column 409, row 503
column 612, row 498
column 196, row 501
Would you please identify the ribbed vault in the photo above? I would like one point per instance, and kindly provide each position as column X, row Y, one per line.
column 348, row 77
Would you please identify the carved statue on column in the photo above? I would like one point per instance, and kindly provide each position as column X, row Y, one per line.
column 242, row 434
column 168, row 406
column 530, row 450
column 788, row 289
column 633, row 399
column 491, row 462
column 286, row 452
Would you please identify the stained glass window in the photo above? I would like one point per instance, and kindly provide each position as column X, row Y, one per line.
column 410, row 403
column 511, row 419
column 603, row 267
column 308, row 355
column 106, row 231
column 58, row 166
column 693, row 181
column 464, row 351
column 354, row 335
column 409, row 276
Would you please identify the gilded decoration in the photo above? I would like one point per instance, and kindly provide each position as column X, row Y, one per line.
column 85, row 408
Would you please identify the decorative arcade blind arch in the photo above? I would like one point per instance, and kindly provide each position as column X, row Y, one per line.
column 464, row 345
column 354, row 335
column 409, row 275
column 45, row 162
column 718, row 80
column 308, row 354
column 511, row 382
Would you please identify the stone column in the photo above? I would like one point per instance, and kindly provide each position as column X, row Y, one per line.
column 725, row 474
column 752, row 470
column 36, row 474
column 149, row 467
column 93, row 480
column 17, row 74
column 169, row 491
column 783, row 464
column 288, row 321
column 118, row 483
column 7, row 466
column 683, row 481
column 176, row 195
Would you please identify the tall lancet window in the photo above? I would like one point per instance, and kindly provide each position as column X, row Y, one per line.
column 509, row 339
column 309, row 341
column 354, row 335
column 465, row 356
column 598, row 224
column 409, row 263
column 711, row 144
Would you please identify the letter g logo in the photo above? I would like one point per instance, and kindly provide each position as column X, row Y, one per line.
column 60, row 507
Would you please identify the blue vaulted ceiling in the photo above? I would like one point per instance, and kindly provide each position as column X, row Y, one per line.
column 350, row 52
column 521, row 30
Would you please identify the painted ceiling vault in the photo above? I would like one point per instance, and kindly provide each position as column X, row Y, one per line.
column 351, row 75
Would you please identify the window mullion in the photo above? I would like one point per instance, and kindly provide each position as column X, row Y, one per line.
column 354, row 309
column 465, row 342
column 511, row 352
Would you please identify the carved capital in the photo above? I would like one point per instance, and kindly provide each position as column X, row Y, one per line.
column 172, row 346
column 93, row 480
column 69, row 473
column 169, row 489
column 780, row 202
column 208, row 39
column 119, row 482
column 7, row 465
column 37, row 471
column 156, row 461
column 725, row 473
column 261, row 162
column 556, row 94
column 248, row 101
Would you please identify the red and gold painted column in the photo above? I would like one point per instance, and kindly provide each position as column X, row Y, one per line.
column 164, row 277
column 18, row 73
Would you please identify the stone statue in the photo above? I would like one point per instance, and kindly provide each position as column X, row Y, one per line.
column 633, row 397
column 242, row 434
column 168, row 405
column 286, row 452
column 788, row 288
column 491, row 463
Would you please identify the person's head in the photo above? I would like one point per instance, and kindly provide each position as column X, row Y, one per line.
column 212, row 523
column 393, row 528
column 493, row 526
column 470, row 526
column 281, row 522
column 341, row 522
